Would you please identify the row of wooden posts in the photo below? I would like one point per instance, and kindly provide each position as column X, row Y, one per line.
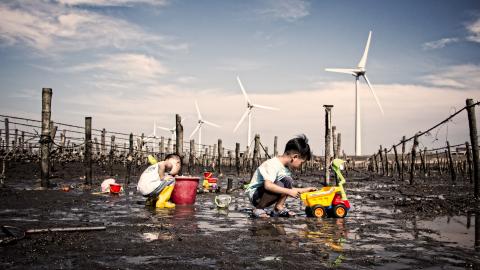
column 242, row 161
column 469, row 165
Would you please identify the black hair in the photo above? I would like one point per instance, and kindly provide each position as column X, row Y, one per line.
column 175, row 156
column 299, row 145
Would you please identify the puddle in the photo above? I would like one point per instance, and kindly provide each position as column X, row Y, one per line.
column 453, row 231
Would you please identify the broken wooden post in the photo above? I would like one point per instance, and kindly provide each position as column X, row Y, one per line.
column 275, row 149
column 45, row 139
column 376, row 164
column 328, row 138
column 423, row 159
column 219, row 158
column 237, row 158
column 414, row 155
column 112, row 153
column 472, row 124
column 229, row 185
column 88, row 151
column 453, row 175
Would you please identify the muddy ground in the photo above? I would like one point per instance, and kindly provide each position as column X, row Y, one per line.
column 391, row 225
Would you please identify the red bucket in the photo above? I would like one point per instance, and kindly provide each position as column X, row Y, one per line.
column 207, row 175
column 115, row 188
column 185, row 190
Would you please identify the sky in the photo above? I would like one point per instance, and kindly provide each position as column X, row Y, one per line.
column 128, row 64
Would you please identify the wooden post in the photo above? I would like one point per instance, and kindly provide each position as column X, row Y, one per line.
column 219, row 158
column 334, row 141
column 339, row 144
column 45, row 139
column 376, row 164
column 229, row 185
column 472, row 124
column 414, row 155
column 469, row 162
column 403, row 159
column 112, row 153
column 380, row 152
column 191, row 160
column 423, row 158
column 256, row 153
column 237, row 158
column 328, row 138
column 102, row 141
column 397, row 162
column 88, row 151
column 453, row 175
column 179, row 138
column 386, row 162
column 275, row 149
column 7, row 130
column 129, row 159
column 15, row 139
column 97, row 147
column 162, row 148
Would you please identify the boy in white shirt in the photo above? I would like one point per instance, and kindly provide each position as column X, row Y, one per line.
column 156, row 184
column 272, row 181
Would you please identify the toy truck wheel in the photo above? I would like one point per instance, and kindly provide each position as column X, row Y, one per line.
column 319, row 211
column 308, row 211
column 339, row 211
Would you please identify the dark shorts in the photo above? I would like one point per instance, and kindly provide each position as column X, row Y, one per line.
column 159, row 189
column 263, row 198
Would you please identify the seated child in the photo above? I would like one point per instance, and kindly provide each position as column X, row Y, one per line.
column 272, row 181
column 156, row 185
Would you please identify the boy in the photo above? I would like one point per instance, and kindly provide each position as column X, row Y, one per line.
column 156, row 185
column 272, row 181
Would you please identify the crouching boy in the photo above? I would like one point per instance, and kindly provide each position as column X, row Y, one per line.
column 158, row 180
column 272, row 181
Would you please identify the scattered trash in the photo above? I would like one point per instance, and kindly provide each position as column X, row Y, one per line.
column 106, row 184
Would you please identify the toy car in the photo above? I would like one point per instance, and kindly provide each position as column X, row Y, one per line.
column 328, row 201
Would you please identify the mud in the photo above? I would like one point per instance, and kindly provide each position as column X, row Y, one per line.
column 391, row 225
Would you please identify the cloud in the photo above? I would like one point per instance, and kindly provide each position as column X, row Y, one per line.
column 112, row 2
column 438, row 44
column 474, row 29
column 288, row 10
column 459, row 77
column 52, row 28
column 241, row 64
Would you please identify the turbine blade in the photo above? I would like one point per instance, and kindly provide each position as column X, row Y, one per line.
column 210, row 123
column 363, row 61
column 265, row 107
column 164, row 128
column 373, row 93
column 183, row 119
column 243, row 90
column 241, row 120
column 342, row 70
column 198, row 110
column 194, row 131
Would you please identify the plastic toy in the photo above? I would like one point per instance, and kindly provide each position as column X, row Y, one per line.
column 328, row 201
column 210, row 183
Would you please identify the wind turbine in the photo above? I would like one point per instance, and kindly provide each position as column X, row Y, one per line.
column 357, row 72
column 153, row 135
column 201, row 121
column 249, row 112
column 172, row 130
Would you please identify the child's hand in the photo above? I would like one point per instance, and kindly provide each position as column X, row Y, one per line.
column 168, row 177
column 293, row 193
column 311, row 189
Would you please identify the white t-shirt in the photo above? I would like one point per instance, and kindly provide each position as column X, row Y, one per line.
column 149, row 180
column 271, row 170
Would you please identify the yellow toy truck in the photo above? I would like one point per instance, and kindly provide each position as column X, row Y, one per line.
column 328, row 201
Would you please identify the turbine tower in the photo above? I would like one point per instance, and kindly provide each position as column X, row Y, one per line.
column 201, row 121
column 357, row 72
column 249, row 111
